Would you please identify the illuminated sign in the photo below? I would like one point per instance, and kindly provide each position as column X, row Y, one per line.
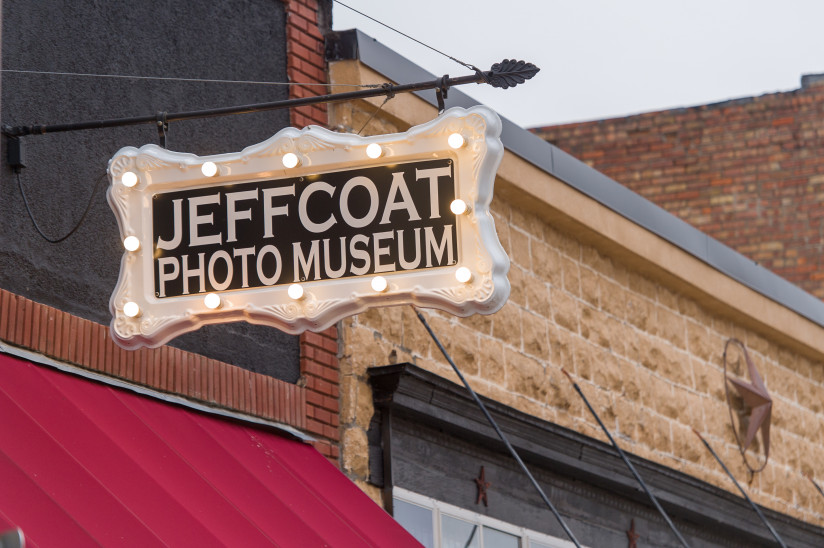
column 307, row 228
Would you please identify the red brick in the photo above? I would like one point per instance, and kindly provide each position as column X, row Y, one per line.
column 331, row 375
column 28, row 324
column 19, row 320
column 322, row 386
column 103, row 341
column 331, row 432
column 314, row 426
column 331, row 404
column 43, row 337
column 330, row 345
column 280, row 403
column 55, row 334
column 324, row 358
column 312, row 338
column 5, row 316
column 314, row 398
column 34, row 330
column 320, row 414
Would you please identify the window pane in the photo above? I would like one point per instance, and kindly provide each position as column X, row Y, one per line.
column 415, row 519
column 457, row 533
column 498, row 539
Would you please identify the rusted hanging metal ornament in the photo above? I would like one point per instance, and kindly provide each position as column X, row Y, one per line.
column 757, row 401
column 483, row 485
column 632, row 536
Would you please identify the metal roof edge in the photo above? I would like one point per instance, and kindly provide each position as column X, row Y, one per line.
column 40, row 359
column 598, row 186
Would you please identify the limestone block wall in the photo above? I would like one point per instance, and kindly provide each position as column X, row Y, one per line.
column 646, row 353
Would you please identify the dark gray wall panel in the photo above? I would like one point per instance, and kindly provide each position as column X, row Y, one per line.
column 236, row 40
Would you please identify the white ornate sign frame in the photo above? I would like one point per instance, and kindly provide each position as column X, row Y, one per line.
column 140, row 318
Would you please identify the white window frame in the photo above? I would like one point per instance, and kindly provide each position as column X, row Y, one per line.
column 438, row 508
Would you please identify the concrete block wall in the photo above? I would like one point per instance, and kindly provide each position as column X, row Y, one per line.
column 648, row 357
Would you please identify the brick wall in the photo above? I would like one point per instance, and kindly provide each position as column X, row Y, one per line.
column 306, row 21
column 748, row 172
column 69, row 339
column 305, row 24
column 646, row 355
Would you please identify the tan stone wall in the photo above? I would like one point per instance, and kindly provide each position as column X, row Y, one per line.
column 646, row 352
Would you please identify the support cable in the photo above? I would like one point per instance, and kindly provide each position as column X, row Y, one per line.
column 76, row 226
column 372, row 117
column 623, row 456
column 752, row 504
column 497, row 429
column 177, row 79
column 815, row 483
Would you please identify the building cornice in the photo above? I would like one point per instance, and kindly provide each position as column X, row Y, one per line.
column 427, row 399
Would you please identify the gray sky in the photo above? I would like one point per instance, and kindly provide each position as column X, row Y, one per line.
column 602, row 58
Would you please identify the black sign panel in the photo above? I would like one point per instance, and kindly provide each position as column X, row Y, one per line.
column 334, row 225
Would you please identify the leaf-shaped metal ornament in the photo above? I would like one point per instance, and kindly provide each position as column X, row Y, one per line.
column 509, row 73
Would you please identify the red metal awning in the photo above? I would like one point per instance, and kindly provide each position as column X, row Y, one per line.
column 83, row 463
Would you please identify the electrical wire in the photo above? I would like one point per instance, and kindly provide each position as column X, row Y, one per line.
column 467, row 65
column 76, row 226
column 174, row 79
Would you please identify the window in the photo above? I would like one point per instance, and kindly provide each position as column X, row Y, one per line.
column 439, row 525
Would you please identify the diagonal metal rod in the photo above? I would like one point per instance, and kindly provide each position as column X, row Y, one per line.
column 754, row 506
column 498, row 430
column 502, row 75
column 818, row 487
column 623, row 455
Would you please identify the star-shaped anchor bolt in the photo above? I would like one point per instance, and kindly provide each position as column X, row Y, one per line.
column 632, row 535
column 483, row 485
column 759, row 402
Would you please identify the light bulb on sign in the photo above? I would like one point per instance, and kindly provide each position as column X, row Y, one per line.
column 209, row 169
column 458, row 207
column 129, row 179
column 295, row 291
column 456, row 140
column 463, row 275
column 379, row 284
column 131, row 243
column 290, row 160
column 131, row 309
column 374, row 151
column 212, row 301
